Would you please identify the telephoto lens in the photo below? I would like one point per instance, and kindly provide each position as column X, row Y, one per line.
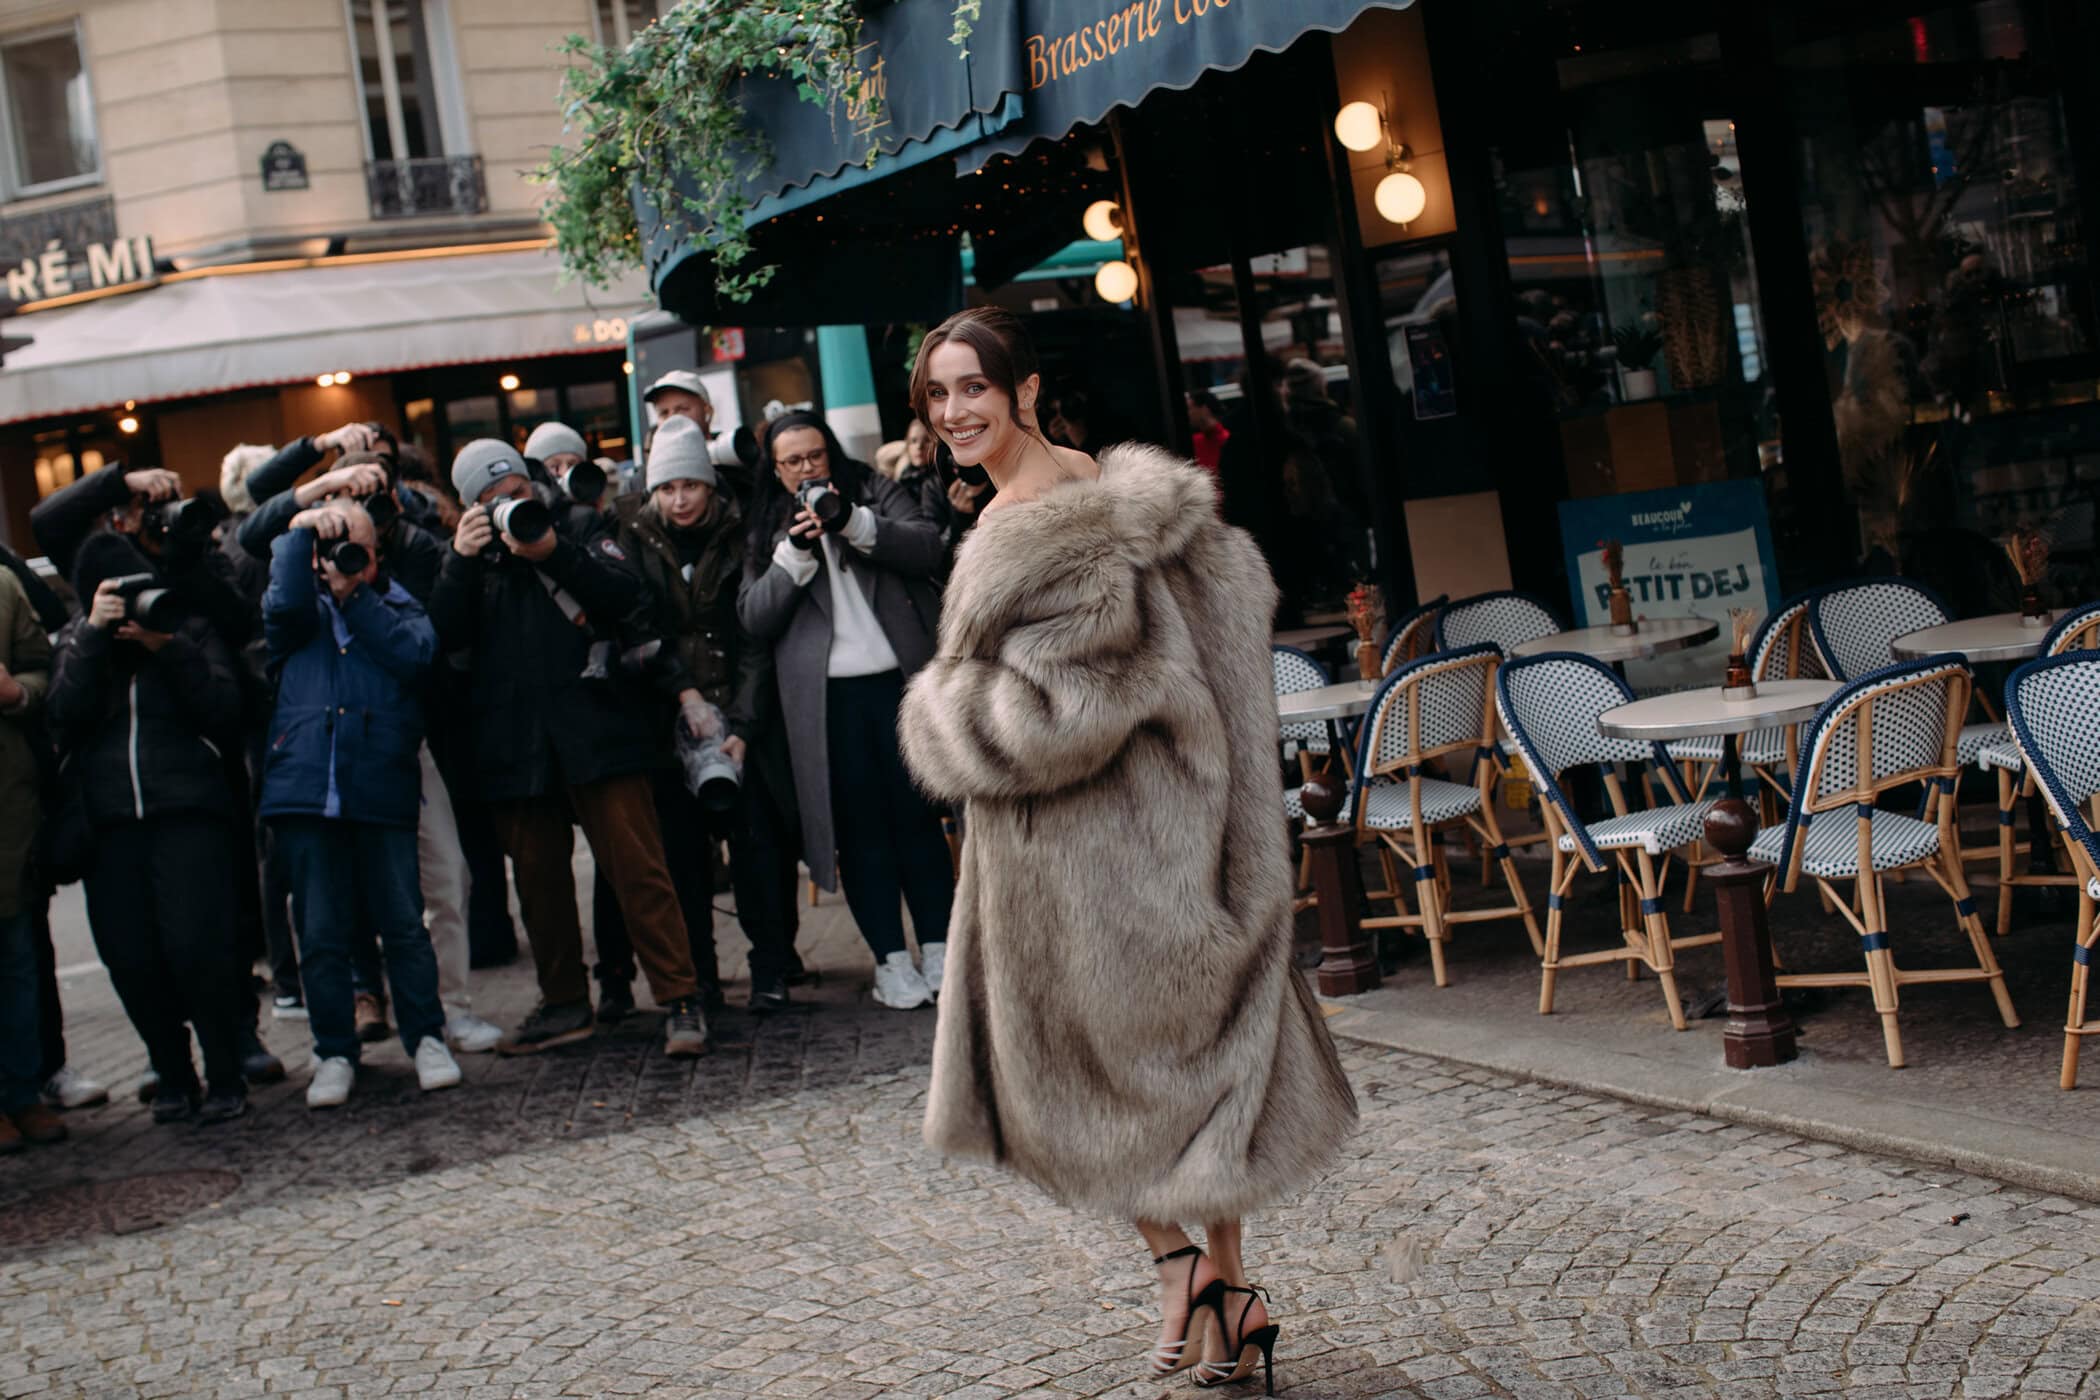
column 148, row 604
column 383, row 506
column 346, row 557
column 523, row 518
column 584, row 482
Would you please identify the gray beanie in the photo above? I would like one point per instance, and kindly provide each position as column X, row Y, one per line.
column 550, row 438
column 481, row 464
column 678, row 452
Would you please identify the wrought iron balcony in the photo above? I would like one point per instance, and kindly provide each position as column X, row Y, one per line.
column 401, row 189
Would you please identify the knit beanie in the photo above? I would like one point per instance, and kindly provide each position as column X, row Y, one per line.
column 105, row 555
column 551, row 438
column 678, row 452
column 233, row 475
column 481, row 464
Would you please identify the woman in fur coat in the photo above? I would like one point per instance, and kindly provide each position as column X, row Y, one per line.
column 1121, row 1023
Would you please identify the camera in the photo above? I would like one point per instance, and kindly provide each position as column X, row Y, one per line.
column 583, row 483
column 176, row 524
column 711, row 776
column 383, row 506
column 821, row 499
column 525, row 519
column 147, row 603
column 346, row 557
column 734, row 449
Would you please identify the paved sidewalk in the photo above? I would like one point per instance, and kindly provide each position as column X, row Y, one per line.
column 765, row 1221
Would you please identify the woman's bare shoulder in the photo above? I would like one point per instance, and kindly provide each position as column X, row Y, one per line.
column 1076, row 463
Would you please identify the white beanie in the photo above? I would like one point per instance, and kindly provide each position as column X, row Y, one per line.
column 678, row 452
column 550, row 438
column 233, row 475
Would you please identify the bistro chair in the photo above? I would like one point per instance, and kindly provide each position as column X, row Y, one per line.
column 1855, row 626
column 1294, row 671
column 1549, row 705
column 1886, row 730
column 1507, row 619
column 2077, row 630
column 1436, row 712
column 1413, row 636
column 2051, row 705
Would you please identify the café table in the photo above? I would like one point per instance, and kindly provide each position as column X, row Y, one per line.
column 1311, row 638
column 1759, row 1032
column 1329, row 702
column 1347, row 964
column 1656, row 636
column 1686, row 714
column 1999, row 637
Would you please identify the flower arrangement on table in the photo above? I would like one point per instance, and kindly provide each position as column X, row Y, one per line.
column 1366, row 610
column 1738, row 683
column 1622, row 623
column 2028, row 548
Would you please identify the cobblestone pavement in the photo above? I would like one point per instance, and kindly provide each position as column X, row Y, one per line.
column 765, row 1221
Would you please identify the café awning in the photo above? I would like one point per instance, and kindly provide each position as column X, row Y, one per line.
column 371, row 315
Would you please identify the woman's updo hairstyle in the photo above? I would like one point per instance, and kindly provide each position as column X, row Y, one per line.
column 1004, row 351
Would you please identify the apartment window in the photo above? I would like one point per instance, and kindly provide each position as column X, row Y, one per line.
column 50, row 113
column 621, row 20
column 420, row 157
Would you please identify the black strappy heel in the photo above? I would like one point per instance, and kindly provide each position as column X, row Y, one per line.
column 1236, row 1367
column 1172, row 1357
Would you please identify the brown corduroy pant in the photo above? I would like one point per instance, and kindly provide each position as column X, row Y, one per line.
column 618, row 817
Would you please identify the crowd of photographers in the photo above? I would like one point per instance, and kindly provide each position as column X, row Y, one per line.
column 307, row 717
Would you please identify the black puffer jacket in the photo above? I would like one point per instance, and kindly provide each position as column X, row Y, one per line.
column 145, row 733
column 536, row 724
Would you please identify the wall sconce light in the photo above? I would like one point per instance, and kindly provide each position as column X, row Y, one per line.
column 1399, row 197
column 1116, row 281
column 127, row 425
column 1103, row 220
column 507, row 383
column 322, row 381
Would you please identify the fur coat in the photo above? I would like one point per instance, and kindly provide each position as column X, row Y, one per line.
column 1120, row 1021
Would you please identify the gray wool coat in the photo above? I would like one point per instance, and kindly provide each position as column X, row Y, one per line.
column 795, row 620
column 1121, row 1022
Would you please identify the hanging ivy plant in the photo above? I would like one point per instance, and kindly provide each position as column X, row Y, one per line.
column 661, row 116
column 967, row 13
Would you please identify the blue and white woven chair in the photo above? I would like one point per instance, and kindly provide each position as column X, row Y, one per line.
column 2053, row 706
column 1437, row 711
column 1888, row 729
column 1549, row 705
column 1782, row 650
column 2078, row 629
column 1295, row 671
column 1855, row 626
column 1507, row 619
column 1413, row 636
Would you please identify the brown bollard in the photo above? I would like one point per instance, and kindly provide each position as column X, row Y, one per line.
column 1759, row 1031
column 1347, row 964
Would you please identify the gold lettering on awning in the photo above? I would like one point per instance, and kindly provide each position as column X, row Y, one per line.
column 1052, row 57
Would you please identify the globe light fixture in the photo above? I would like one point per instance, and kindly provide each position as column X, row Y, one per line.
column 1400, row 198
column 507, row 383
column 1360, row 126
column 342, row 376
column 1103, row 220
column 1116, row 281
column 127, row 425
column 322, row 381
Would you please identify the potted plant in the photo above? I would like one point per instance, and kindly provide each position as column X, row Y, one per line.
column 1638, row 343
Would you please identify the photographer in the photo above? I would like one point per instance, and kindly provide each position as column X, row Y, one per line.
column 687, row 539
column 342, row 784
column 412, row 557
column 301, row 455
column 553, row 745
column 144, row 704
column 836, row 582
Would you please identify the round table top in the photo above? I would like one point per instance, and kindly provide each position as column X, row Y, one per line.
column 1656, row 635
column 1329, row 702
column 1685, row 714
column 1999, row 637
column 1306, row 638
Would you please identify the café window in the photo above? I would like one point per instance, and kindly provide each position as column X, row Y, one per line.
column 51, row 142
column 620, row 20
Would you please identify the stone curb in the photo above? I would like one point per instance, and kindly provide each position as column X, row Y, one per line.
column 1785, row 1099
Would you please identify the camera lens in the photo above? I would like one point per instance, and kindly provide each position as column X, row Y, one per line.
column 584, row 483
column 154, row 609
column 523, row 519
column 347, row 557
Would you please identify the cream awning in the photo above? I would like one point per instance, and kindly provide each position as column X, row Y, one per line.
column 204, row 334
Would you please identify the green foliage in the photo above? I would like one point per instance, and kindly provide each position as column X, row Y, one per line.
column 661, row 117
column 967, row 13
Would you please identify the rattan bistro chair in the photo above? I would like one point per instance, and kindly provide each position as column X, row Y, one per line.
column 1437, row 711
column 1295, row 671
column 1886, row 730
column 1781, row 650
column 1549, row 705
column 2077, row 630
column 1413, row 636
column 1507, row 619
column 1855, row 626
column 2053, row 707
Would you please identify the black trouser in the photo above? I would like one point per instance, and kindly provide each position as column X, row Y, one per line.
column 51, row 1015
column 492, row 939
column 161, row 907
column 277, row 915
column 888, row 836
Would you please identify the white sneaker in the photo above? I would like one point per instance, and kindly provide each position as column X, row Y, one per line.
column 435, row 1067
column 331, row 1083
column 470, row 1035
column 933, row 965
column 69, row 1088
column 898, row 984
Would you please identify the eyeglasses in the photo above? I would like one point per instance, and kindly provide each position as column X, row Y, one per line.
column 813, row 458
